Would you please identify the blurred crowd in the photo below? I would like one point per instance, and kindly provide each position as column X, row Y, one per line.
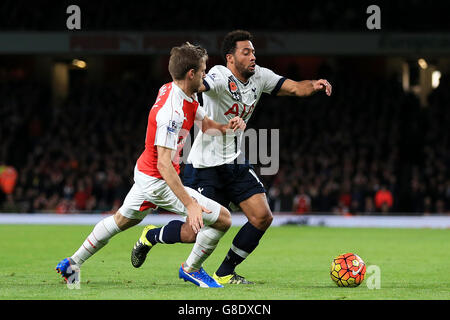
column 325, row 15
column 79, row 156
column 369, row 148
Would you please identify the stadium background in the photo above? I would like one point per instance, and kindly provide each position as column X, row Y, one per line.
column 74, row 104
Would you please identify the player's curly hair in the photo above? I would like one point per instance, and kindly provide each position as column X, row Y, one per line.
column 229, row 42
column 184, row 58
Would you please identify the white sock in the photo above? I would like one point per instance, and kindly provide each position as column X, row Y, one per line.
column 97, row 239
column 206, row 242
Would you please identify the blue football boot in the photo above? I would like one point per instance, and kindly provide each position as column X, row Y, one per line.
column 69, row 270
column 199, row 278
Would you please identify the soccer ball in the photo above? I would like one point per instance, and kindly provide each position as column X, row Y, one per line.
column 348, row 270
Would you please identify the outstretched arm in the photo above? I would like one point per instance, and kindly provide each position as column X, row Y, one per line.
column 304, row 88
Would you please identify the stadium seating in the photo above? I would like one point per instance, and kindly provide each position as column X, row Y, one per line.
column 338, row 149
column 326, row 15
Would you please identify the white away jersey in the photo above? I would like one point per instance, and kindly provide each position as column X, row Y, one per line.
column 225, row 98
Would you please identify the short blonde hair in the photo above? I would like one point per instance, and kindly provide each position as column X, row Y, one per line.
column 184, row 58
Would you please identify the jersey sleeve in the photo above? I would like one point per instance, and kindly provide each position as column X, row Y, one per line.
column 166, row 132
column 200, row 114
column 271, row 82
column 215, row 81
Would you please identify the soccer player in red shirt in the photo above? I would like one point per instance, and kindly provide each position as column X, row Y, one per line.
column 156, row 180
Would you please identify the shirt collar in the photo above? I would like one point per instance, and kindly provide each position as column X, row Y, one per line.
column 183, row 94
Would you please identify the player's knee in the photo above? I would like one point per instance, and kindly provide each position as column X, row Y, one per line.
column 227, row 217
column 269, row 219
column 123, row 222
column 187, row 235
column 223, row 223
column 262, row 220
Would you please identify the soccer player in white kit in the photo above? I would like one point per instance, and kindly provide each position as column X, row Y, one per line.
column 156, row 180
column 215, row 171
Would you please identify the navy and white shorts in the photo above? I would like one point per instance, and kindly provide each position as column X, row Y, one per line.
column 225, row 183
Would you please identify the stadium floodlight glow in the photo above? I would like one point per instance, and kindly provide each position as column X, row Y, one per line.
column 422, row 63
column 435, row 79
column 79, row 63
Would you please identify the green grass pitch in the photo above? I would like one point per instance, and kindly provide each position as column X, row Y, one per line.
column 291, row 263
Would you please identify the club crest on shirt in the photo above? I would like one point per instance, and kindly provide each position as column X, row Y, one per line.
column 234, row 90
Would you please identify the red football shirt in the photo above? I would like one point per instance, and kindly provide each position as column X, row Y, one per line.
column 169, row 122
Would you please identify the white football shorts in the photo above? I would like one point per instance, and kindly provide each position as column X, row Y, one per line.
column 149, row 193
